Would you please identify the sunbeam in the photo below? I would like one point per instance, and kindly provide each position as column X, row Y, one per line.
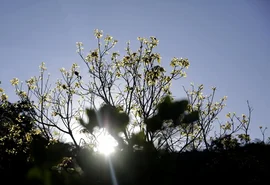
column 105, row 143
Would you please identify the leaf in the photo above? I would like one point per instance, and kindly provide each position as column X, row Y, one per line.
column 171, row 110
column 164, row 110
column 190, row 118
column 177, row 108
column 122, row 121
column 116, row 121
column 153, row 124
column 92, row 120
column 180, row 106
column 137, row 139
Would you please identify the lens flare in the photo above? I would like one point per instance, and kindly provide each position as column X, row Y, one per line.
column 106, row 144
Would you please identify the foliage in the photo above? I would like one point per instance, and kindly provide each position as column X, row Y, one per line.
column 159, row 137
column 23, row 150
column 116, row 121
column 135, row 85
column 16, row 134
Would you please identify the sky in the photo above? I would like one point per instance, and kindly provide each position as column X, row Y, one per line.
column 226, row 42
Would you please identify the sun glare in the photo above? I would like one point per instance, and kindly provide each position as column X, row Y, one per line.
column 106, row 144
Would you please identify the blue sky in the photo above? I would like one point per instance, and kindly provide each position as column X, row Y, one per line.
column 227, row 42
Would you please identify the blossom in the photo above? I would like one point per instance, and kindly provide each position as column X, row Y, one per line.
column 184, row 63
column 115, row 41
column 79, row 46
column 228, row 126
column 139, row 38
column 14, row 81
column 94, row 54
column 174, row 62
column 98, row 33
column 4, row 97
column 23, row 94
column 183, row 74
column 42, row 67
column 28, row 137
column 77, row 84
column 31, row 81
column 62, row 70
column 36, row 132
column 224, row 98
column 154, row 41
column 108, row 38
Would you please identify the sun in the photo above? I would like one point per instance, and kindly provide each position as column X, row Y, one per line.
column 105, row 143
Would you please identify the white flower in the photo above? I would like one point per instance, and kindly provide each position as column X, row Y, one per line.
column 42, row 67
column 14, row 81
column 98, row 33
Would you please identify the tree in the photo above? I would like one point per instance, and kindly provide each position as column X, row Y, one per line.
column 159, row 137
column 17, row 132
column 23, row 149
column 135, row 85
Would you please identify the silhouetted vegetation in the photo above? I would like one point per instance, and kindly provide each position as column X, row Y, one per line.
column 161, row 140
